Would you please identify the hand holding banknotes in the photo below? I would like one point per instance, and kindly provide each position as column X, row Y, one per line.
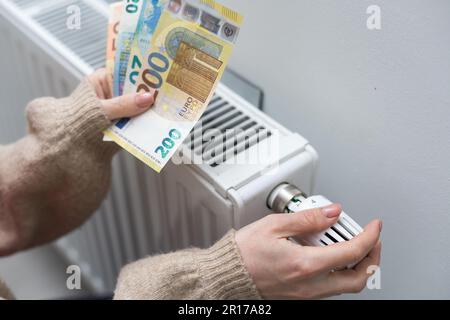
column 128, row 105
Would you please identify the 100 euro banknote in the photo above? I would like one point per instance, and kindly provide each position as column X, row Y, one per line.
column 189, row 50
column 131, row 10
column 146, row 26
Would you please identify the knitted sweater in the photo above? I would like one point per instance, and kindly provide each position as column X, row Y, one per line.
column 53, row 179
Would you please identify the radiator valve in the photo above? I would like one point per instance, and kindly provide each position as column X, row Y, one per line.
column 288, row 198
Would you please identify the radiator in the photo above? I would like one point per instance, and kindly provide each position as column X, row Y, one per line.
column 144, row 213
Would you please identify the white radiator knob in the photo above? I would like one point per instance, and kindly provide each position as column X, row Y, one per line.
column 287, row 198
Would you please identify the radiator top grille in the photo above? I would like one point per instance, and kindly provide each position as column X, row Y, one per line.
column 25, row 3
column 88, row 42
column 224, row 132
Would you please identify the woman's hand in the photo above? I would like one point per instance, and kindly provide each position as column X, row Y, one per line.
column 128, row 105
column 281, row 268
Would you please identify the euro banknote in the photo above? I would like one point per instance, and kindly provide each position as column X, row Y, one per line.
column 146, row 26
column 131, row 11
column 115, row 13
column 185, row 60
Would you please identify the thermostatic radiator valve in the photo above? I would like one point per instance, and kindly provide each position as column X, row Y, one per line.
column 287, row 198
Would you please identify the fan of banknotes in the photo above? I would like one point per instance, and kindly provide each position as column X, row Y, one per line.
column 178, row 47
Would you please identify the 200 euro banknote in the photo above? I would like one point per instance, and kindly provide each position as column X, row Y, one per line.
column 189, row 50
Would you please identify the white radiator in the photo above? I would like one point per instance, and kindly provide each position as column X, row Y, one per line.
column 144, row 213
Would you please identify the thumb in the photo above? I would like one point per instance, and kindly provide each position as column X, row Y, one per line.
column 308, row 221
column 128, row 105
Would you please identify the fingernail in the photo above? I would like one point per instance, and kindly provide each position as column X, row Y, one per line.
column 381, row 225
column 332, row 210
column 143, row 100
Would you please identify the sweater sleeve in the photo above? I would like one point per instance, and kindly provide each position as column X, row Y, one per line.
column 214, row 273
column 54, row 178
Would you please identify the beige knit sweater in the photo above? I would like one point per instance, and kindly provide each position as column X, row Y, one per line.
column 53, row 179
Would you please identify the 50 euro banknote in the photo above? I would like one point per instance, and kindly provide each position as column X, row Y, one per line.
column 115, row 13
column 189, row 50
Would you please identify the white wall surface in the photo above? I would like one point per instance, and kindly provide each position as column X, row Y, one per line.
column 376, row 106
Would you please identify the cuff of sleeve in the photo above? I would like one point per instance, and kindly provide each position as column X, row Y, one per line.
column 83, row 114
column 223, row 272
column 79, row 118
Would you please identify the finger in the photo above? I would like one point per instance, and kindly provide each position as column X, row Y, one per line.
column 353, row 280
column 108, row 86
column 345, row 253
column 99, row 89
column 129, row 105
column 307, row 221
column 100, row 81
column 105, row 84
column 94, row 76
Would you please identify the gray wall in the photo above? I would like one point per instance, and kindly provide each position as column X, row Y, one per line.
column 376, row 106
